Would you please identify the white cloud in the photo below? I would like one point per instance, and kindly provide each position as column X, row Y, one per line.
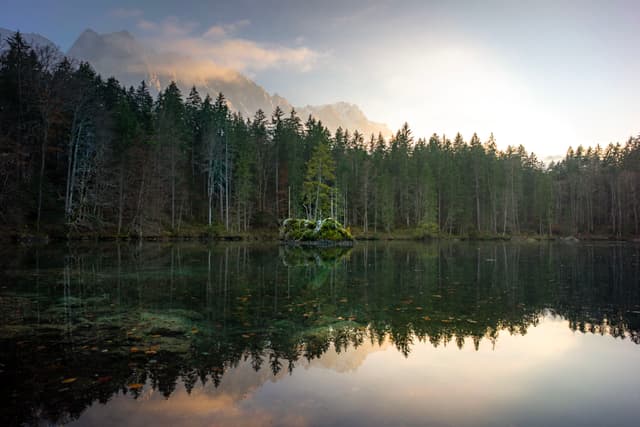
column 217, row 44
column 222, row 30
column 244, row 55
column 169, row 27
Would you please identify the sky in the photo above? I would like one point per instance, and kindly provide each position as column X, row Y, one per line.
column 544, row 74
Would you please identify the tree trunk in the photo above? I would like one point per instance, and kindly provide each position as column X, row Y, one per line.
column 226, row 184
column 43, row 157
column 477, row 204
column 121, row 199
column 173, row 190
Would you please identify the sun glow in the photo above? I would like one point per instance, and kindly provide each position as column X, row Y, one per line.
column 457, row 89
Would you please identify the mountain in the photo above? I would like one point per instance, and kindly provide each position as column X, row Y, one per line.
column 345, row 115
column 121, row 55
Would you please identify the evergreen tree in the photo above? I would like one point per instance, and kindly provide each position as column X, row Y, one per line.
column 318, row 184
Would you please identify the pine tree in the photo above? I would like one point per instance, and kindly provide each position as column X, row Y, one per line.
column 318, row 184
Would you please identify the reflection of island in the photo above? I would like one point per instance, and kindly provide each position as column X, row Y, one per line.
column 106, row 319
column 296, row 256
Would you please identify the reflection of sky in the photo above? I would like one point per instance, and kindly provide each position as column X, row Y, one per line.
column 550, row 376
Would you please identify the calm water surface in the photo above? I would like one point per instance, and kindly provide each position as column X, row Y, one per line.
column 407, row 334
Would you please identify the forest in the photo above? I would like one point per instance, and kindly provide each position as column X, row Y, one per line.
column 83, row 155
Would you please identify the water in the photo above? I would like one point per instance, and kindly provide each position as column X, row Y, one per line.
column 449, row 334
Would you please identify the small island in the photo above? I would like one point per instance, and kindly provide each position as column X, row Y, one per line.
column 308, row 232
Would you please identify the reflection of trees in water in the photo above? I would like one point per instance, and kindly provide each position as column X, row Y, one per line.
column 193, row 312
column 295, row 256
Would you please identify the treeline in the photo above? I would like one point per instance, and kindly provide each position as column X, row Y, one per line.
column 84, row 154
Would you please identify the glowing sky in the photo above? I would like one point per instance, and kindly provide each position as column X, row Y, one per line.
column 546, row 74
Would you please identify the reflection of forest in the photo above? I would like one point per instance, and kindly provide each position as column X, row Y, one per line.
column 106, row 318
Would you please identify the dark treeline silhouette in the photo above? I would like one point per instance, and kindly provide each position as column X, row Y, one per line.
column 116, row 315
column 81, row 154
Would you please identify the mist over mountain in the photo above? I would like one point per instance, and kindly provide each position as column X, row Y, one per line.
column 123, row 56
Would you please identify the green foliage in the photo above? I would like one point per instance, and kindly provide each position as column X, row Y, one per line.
column 427, row 230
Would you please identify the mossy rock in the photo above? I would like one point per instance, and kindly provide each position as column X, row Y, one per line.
column 304, row 230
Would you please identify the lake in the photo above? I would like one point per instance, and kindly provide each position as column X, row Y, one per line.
column 381, row 334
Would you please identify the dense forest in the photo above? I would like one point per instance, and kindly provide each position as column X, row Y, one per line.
column 81, row 154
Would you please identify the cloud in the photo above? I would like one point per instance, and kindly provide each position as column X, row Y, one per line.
column 223, row 30
column 245, row 55
column 145, row 25
column 171, row 26
column 188, row 70
column 218, row 45
column 125, row 13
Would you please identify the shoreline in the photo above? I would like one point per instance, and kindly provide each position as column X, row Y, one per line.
column 272, row 236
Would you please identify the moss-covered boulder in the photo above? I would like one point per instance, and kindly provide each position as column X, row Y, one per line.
column 326, row 230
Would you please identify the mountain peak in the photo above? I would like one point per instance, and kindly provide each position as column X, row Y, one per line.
column 346, row 115
column 120, row 55
column 88, row 32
